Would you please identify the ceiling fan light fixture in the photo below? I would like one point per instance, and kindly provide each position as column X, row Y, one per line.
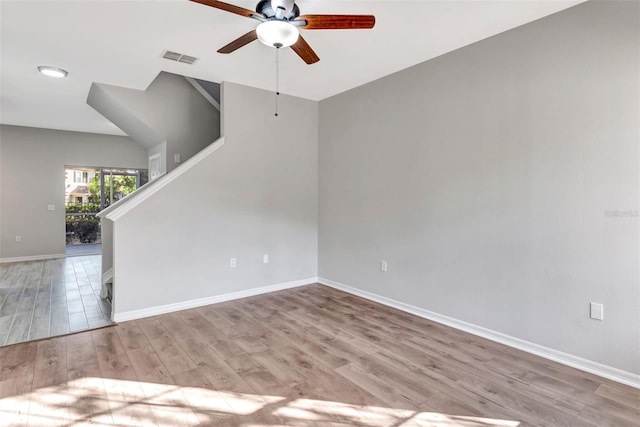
column 53, row 71
column 277, row 34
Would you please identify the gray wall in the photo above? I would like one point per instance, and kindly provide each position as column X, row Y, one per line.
column 170, row 110
column 256, row 195
column 32, row 165
column 211, row 88
column 120, row 106
column 489, row 178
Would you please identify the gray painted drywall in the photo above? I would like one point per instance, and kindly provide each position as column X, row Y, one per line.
column 170, row 110
column 256, row 195
column 32, row 163
column 114, row 103
column 489, row 180
column 211, row 88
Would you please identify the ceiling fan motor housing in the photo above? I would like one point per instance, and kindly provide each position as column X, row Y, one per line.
column 278, row 9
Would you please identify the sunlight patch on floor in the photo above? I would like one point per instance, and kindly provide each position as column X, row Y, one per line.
column 322, row 410
column 107, row 402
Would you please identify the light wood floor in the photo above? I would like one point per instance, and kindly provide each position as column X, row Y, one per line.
column 40, row 299
column 309, row 356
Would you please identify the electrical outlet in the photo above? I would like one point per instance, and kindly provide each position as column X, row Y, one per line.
column 232, row 263
column 51, row 207
column 383, row 266
column 18, row 239
column 176, row 158
column 265, row 259
column 596, row 311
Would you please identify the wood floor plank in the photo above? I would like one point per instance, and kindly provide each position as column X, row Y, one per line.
column 168, row 403
column 204, row 322
column 522, row 367
column 199, row 349
column 282, row 305
column 88, row 397
column 323, row 346
column 610, row 414
column 147, row 365
column 19, row 362
column 375, row 386
column 451, row 362
column 51, row 363
column 446, row 387
column 619, row 393
column 206, row 403
column 112, row 357
column 175, row 325
column 527, row 406
column 50, row 404
column 128, row 404
column 14, row 402
column 126, row 396
column 131, row 335
column 169, row 352
column 308, row 356
column 212, row 365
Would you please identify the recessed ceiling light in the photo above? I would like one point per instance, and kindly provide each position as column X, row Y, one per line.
column 53, row 71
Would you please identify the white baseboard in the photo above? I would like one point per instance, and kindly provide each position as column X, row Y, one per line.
column 31, row 258
column 586, row 365
column 168, row 308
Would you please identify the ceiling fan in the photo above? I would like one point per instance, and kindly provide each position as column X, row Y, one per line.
column 279, row 23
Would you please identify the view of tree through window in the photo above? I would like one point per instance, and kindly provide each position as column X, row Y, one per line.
column 90, row 190
column 123, row 185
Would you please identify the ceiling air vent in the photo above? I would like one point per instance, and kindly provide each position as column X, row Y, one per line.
column 175, row 56
column 187, row 59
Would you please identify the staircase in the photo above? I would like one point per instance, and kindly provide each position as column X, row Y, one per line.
column 167, row 246
column 174, row 118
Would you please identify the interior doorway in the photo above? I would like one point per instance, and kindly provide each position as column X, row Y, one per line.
column 89, row 190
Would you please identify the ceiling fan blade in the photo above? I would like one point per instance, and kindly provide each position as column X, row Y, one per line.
column 239, row 42
column 304, row 51
column 337, row 22
column 228, row 7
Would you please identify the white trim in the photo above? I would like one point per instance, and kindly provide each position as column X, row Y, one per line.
column 203, row 92
column 31, row 258
column 168, row 308
column 586, row 365
column 123, row 206
column 106, row 277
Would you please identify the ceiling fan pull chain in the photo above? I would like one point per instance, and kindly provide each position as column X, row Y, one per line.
column 277, row 78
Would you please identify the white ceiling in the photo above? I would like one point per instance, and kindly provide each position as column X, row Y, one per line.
column 121, row 43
